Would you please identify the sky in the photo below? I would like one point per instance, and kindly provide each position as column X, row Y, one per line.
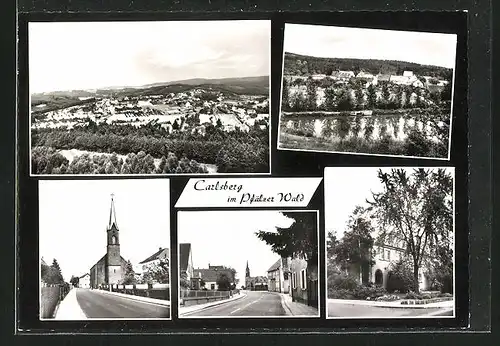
column 342, row 42
column 347, row 187
column 74, row 216
column 88, row 55
column 228, row 238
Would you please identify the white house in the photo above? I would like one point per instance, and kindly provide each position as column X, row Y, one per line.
column 84, row 281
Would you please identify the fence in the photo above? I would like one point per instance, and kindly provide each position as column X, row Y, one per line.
column 194, row 297
column 156, row 291
column 49, row 298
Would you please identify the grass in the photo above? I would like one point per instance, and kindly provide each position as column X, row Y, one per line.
column 351, row 145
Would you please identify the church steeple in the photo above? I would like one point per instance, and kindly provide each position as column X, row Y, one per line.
column 112, row 214
column 247, row 273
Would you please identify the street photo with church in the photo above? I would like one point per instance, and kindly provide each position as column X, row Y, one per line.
column 104, row 249
column 390, row 242
column 236, row 264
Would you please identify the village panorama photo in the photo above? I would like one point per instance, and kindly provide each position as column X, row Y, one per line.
column 104, row 249
column 390, row 242
column 367, row 91
column 234, row 264
column 152, row 97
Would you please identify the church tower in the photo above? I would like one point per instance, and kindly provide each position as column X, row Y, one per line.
column 113, row 258
column 247, row 273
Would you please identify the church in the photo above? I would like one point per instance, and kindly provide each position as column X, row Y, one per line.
column 110, row 269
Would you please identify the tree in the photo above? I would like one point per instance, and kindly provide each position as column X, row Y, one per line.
column 74, row 280
column 372, row 96
column 415, row 212
column 285, row 99
column 184, row 281
column 157, row 272
column 129, row 276
column 311, row 94
column 355, row 247
column 223, row 282
column 330, row 98
column 300, row 240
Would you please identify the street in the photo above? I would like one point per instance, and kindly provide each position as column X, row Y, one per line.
column 255, row 303
column 364, row 311
column 97, row 304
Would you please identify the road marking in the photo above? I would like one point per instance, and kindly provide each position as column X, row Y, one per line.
column 246, row 306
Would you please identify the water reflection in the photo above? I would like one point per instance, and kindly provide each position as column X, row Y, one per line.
column 364, row 127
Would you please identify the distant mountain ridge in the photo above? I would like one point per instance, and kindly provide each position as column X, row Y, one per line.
column 253, row 85
column 304, row 64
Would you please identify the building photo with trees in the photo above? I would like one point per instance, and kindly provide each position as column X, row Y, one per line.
column 389, row 242
column 348, row 90
column 115, row 262
column 244, row 263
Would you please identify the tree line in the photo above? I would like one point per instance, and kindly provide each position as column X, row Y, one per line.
column 303, row 65
column 235, row 151
column 354, row 96
column 52, row 275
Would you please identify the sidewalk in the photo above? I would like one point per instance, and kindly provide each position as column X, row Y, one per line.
column 396, row 304
column 294, row 308
column 184, row 310
column 69, row 309
column 138, row 298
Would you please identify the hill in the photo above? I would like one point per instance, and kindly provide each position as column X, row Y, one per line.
column 296, row 64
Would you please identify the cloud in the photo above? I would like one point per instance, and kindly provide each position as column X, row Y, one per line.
column 85, row 55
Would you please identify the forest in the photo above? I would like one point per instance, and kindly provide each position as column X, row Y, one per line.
column 302, row 65
column 178, row 152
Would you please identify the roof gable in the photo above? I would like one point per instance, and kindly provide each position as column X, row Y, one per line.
column 160, row 254
column 275, row 266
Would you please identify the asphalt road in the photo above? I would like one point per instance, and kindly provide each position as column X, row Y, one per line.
column 255, row 303
column 364, row 311
column 96, row 304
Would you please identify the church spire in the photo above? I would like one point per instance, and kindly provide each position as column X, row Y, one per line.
column 112, row 213
column 247, row 274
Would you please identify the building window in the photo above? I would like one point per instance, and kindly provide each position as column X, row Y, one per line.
column 294, row 280
column 212, row 286
column 388, row 255
column 113, row 240
column 303, row 279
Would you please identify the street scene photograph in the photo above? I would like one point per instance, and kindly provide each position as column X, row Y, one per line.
column 150, row 97
column 390, row 242
column 240, row 264
column 367, row 91
column 104, row 249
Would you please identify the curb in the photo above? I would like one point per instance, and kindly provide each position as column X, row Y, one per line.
column 139, row 298
column 286, row 307
column 211, row 306
column 398, row 306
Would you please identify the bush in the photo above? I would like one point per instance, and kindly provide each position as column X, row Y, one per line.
column 368, row 292
column 342, row 281
column 388, row 298
column 400, row 278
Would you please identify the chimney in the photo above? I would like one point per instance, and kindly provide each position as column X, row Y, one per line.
column 160, row 248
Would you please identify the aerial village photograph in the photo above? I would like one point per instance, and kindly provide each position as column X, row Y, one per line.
column 104, row 249
column 367, row 91
column 240, row 264
column 120, row 98
column 390, row 242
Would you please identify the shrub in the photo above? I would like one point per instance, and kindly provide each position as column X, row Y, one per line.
column 342, row 281
column 400, row 278
column 368, row 292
